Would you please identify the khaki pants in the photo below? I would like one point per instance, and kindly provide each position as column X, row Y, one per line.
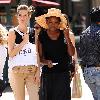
column 19, row 77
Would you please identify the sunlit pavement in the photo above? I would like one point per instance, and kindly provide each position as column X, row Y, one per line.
column 8, row 95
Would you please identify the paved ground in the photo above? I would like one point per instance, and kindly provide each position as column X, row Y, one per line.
column 8, row 95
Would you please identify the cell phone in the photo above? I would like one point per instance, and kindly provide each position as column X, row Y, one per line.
column 54, row 63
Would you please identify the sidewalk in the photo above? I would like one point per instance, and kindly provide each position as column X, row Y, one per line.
column 8, row 95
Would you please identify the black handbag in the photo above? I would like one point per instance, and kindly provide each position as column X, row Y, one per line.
column 2, row 86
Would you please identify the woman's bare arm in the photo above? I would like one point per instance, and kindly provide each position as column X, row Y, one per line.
column 71, row 48
column 72, row 37
column 12, row 49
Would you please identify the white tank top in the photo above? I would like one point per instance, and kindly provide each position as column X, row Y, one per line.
column 26, row 56
column 3, row 55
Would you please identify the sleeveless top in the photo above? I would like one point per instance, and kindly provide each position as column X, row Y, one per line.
column 55, row 50
column 27, row 55
column 3, row 55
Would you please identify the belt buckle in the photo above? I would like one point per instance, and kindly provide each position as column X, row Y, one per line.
column 30, row 69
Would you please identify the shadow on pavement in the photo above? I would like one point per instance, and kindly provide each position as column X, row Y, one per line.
column 7, row 89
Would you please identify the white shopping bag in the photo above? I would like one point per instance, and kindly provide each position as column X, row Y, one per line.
column 86, row 92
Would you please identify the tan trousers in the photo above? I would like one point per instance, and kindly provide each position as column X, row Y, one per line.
column 19, row 77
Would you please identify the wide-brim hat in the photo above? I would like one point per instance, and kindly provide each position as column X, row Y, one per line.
column 41, row 20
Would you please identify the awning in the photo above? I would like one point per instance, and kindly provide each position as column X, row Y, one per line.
column 5, row 1
column 44, row 3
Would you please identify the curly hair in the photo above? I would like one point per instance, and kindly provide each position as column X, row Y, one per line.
column 3, row 34
column 95, row 14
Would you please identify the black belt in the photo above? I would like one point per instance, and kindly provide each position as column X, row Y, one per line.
column 88, row 66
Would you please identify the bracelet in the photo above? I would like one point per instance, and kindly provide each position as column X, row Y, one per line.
column 67, row 28
column 69, row 43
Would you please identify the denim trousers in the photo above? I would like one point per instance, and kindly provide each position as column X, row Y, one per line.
column 92, row 78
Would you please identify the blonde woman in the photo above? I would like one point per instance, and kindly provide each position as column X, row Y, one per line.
column 3, row 54
column 23, row 67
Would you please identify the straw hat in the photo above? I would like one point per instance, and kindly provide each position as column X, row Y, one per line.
column 41, row 20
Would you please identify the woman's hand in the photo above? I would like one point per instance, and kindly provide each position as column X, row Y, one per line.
column 49, row 63
column 36, row 77
column 71, row 48
column 66, row 32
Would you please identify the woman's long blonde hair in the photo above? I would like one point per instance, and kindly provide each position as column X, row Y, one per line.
column 3, row 35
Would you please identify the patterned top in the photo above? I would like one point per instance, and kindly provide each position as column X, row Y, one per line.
column 90, row 45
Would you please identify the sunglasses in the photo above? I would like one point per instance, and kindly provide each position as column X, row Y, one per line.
column 36, row 27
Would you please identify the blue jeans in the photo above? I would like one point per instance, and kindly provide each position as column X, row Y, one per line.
column 92, row 78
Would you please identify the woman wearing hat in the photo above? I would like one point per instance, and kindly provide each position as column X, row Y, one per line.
column 55, row 51
column 23, row 67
